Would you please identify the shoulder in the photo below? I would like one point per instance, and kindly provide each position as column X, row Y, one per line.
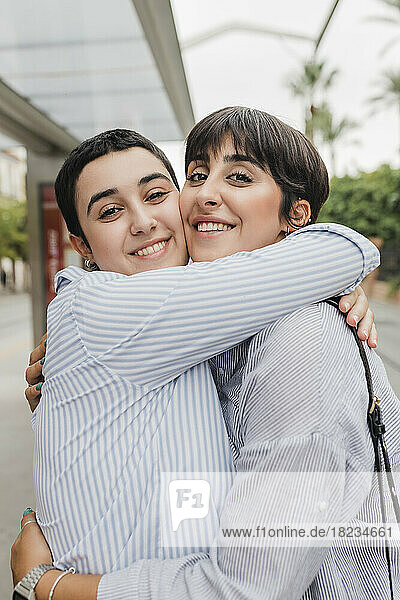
column 292, row 330
column 309, row 322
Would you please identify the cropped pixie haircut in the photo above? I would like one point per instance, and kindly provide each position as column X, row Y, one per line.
column 285, row 153
column 114, row 140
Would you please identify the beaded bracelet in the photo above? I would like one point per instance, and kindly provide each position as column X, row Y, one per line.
column 53, row 587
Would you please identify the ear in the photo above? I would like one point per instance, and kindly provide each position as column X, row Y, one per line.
column 79, row 246
column 300, row 213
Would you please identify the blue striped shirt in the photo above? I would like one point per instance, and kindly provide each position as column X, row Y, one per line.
column 127, row 396
column 295, row 401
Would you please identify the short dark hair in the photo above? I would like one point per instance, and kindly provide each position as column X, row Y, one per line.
column 285, row 153
column 114, row 140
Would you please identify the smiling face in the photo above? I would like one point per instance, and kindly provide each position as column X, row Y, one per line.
column 229, row 204
column 128, row 209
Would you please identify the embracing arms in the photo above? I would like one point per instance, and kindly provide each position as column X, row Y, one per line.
column 189, row 314
column 197, row 311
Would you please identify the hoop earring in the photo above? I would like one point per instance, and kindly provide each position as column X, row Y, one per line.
column 89, row 265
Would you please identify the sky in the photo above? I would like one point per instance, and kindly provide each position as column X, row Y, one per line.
column 253, row 69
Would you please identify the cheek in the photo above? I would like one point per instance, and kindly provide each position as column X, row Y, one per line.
column 106, row 241
column 170, row 217
column 261, row 219
column 186, row 202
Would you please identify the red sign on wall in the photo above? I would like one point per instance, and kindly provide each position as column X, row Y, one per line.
column 53, row 238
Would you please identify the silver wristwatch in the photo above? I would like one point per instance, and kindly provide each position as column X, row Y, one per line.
column 25, row 589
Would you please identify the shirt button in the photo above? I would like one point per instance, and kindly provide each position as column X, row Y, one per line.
column 322, row 506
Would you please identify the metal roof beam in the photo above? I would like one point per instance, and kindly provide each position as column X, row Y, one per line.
column 29, row 126
column 243, row 27
column 158, row 25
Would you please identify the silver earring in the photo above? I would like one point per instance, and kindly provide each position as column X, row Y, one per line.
column 89, row 265
column 287, row 231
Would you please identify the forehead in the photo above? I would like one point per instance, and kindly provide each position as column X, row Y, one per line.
column 116, row 170
column 217, row 151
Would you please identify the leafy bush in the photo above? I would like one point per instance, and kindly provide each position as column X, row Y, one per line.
column 13, row 235
column 369, row 203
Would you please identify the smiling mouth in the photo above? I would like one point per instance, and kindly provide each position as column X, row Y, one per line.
column 151, row 249
column 211, row 226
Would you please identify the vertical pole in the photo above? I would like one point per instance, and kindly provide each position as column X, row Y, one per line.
column 41, row 169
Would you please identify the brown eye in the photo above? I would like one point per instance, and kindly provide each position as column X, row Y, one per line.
column 196, row 176
column 240, row 176
column 109, row 212
column 156, row 196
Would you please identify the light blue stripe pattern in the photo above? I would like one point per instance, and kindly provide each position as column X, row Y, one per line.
column 295, row 401
column 124, row 373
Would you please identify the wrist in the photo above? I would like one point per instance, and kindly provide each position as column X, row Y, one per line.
column 73, row 585
column 44, row 584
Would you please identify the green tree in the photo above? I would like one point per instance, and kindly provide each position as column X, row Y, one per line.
column 393, row 18
column 13, row 235
column 314, row 79
column 369, row 203
column 330, row 130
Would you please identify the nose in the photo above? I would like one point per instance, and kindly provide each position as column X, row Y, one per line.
column 143, row 221
column 208, row 195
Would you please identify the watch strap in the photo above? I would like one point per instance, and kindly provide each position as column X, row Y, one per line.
column 25, row 588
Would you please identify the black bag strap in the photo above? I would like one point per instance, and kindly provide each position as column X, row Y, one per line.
column 377, row 430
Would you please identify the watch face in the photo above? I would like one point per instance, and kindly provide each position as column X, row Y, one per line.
column 17, row 596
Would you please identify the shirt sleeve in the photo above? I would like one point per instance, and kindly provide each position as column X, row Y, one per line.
column 293, row 469
column 153, row 326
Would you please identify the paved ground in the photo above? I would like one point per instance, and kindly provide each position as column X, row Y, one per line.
column 15, row 431
column 387, row 318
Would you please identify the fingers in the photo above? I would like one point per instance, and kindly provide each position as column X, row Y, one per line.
column 348, row 301
column 366, row 330
column 358, row 311
column 373, row 337
column 33, row 373
column 39, row 352
column 33, row 395
column 31, row 516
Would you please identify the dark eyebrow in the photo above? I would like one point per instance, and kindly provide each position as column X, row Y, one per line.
column 233, row 158
column 112, row 191
column 99, row 196
column 152, row 176
column 204, row 157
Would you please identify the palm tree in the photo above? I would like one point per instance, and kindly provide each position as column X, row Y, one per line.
column 313, row 79
column 394, row 6
column 390, row 92
column 330, row 130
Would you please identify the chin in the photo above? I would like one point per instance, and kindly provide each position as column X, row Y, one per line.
column 211, row 254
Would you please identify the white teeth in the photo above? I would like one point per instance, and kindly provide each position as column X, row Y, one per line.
column 151, row 249
column 208, row 226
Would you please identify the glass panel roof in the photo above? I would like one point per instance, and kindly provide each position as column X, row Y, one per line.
column 86, row 64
